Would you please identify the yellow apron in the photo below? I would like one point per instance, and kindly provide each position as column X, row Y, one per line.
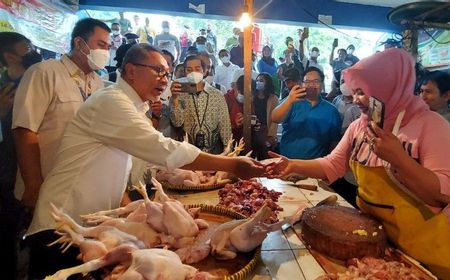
column 413, row 227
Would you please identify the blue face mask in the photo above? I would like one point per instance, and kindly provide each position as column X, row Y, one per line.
column 201, row 48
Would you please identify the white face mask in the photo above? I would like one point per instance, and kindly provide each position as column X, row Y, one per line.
column 240, row 98
column 225, row 59
column 314, row 54
column 260, row 85
column 194, row 77
column 116, row 32
column 97, row 58
column 345, row 91
column 166, row 29
column 350, row 51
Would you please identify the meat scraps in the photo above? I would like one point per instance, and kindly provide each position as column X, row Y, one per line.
column 247, row 197
column 374, row 268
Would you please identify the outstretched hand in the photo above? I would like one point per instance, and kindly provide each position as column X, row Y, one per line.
column 280, row 168
column 247, row 168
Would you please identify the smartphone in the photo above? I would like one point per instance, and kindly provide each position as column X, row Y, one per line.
column 310, row 92
column 376, row 111
column 187, row 86
column 336, row 42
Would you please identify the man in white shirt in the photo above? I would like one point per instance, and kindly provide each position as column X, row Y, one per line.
column 93, row 162
column 224, row 72
column 47, row 98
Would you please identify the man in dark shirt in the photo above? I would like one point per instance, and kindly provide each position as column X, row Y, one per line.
column 237, row 53
column 350, row 56
column 16, row 54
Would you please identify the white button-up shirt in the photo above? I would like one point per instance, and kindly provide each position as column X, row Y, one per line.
column 47, row 98
column 94, row 160
column 224, row 75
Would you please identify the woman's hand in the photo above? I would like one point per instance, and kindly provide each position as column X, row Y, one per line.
column 278, row 168
column 239, row 120
column 385, row 144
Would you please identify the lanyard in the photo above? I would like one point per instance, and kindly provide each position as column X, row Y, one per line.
column 200, row 123
column 75, row 77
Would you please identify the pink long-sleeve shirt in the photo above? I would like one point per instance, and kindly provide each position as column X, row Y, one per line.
column 425, row 137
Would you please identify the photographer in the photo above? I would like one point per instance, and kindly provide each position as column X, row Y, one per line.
column 200, row 109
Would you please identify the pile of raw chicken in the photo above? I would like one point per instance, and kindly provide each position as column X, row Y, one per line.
column 373, row 268
column 188, row 178
column 247, row 197
column 157, row 239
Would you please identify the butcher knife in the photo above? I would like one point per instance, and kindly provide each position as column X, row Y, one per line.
column 330, row 200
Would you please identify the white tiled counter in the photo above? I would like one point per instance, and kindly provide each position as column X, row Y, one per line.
column 283, row 254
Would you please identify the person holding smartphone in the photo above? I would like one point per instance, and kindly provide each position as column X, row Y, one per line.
column 402, row 169
column 311, row 125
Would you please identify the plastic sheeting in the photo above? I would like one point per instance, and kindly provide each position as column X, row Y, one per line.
column 46, row 24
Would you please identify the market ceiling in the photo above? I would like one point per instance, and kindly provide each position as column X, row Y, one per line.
column 364, row 14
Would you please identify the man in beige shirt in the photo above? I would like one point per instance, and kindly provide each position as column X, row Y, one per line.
column 48, row 97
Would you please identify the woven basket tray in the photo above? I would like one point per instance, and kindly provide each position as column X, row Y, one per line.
column 244, row 264
column 167, row 185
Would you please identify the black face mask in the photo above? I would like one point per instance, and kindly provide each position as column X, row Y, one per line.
column 31, row 58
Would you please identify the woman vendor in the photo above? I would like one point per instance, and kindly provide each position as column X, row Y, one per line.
column 402, row 169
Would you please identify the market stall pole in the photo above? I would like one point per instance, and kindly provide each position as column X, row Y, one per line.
column 246, row 25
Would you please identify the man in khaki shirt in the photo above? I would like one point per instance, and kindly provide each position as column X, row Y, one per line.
column 48, row 97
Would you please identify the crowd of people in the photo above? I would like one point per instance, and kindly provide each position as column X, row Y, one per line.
column 66, row 121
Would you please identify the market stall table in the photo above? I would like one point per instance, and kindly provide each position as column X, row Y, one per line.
column 284, row 256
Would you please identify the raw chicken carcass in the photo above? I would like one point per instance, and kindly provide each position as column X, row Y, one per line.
column 176, row 219
column 221, row 247
column 134, row 211
column 110, row 236
column 247, row 234
column 149, row 264
column 179, row 177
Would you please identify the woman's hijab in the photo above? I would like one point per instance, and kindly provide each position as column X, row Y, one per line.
column 390, row 77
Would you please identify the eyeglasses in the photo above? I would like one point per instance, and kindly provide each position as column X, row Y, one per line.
column 159, row 72
column 312, row 82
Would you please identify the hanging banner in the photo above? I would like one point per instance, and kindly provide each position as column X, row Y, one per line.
column 434, row 47
column 47, row 25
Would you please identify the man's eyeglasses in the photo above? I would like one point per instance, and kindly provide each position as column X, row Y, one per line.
column 159, row 71
column 311, row 82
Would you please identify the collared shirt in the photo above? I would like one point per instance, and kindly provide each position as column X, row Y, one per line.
column 47, row 98
column 308, row 131
column 94, row 160
column 216, row 126
column 224, row 75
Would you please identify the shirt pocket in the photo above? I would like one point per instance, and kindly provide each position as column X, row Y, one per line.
column 69, row 95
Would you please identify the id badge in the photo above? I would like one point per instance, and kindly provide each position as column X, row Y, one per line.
column 200, row 140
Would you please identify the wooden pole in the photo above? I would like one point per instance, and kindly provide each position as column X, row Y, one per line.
column 247, row 78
